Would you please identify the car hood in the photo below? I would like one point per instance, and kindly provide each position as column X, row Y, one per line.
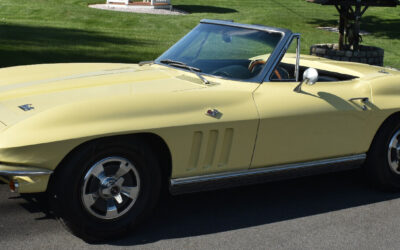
column 47, row 86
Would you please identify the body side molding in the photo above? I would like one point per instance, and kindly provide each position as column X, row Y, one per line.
column 260, row 175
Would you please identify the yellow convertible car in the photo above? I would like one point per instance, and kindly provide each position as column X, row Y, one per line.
column 229, row 104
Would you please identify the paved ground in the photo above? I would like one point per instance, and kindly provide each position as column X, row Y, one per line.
column 337, row 211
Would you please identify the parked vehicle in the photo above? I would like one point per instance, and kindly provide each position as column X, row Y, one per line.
column 227, row 105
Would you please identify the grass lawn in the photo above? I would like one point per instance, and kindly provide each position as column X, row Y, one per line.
column 43, row 31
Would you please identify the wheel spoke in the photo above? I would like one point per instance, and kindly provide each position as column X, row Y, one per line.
column 118, row 198
column 98, row 172
column 111, row 187
column 120, row 181
column 111, row 209
column 131, row 192
column 123, row 169
column 90, row 199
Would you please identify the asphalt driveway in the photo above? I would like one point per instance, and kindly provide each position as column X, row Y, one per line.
column 336, row 211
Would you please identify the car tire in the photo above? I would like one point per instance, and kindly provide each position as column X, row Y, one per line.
column 104, row 189
column 383, row 160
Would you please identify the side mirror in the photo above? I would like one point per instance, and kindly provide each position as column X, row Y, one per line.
column 310, row 77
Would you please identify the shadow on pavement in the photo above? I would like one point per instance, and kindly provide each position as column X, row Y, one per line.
column 224, row 210
column 219, row 211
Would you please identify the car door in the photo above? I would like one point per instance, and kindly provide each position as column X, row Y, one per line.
column 320, row 122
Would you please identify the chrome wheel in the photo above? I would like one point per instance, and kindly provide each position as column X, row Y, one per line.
column 394, row 153
column 110, row 188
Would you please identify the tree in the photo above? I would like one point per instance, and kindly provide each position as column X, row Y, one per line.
column 351, row 12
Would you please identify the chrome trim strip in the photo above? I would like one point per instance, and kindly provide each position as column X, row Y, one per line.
column 25, row 171
column 297, row 70
column 246, row 26
column 266, row 170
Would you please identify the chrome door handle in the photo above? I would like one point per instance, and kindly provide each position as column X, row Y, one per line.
column 362, row 99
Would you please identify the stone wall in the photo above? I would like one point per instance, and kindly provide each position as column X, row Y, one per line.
column 366, row 54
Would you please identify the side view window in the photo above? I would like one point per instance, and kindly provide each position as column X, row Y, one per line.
column 285, row 71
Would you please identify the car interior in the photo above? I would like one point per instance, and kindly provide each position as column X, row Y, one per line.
column 247, row 69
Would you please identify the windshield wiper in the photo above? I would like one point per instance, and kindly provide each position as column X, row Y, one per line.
column 194, row 70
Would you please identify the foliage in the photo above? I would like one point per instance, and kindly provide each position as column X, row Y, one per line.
column 48, row 31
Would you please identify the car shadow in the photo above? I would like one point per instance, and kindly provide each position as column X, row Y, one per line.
column 232, row 209
column 35, row 204
column 236, row 208
column 204, row 9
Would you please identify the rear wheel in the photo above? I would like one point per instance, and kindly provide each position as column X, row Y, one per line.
column 383, row 162
column 105, row 189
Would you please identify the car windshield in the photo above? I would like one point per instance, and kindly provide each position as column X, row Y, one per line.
column 225, row 51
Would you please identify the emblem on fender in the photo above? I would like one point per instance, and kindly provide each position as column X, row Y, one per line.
column 26, row 107
column 214, row 113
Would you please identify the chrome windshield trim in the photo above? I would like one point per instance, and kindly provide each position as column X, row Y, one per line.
column 246, row 26
column 266, row 170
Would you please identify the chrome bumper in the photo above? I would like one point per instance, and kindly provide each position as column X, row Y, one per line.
column 23, row 179
column 10, row 170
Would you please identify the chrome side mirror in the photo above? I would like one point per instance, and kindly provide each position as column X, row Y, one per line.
column 310, row 77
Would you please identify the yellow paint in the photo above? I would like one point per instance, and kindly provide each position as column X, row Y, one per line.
column 319, row 123
column 75, row 103
column 32, row 184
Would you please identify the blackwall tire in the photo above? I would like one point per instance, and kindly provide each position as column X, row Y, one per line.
column 384, row 152
column 92, row 222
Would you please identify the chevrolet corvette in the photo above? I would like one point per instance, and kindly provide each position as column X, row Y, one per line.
column 229, row 104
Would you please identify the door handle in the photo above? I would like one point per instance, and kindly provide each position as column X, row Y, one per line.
column 364, row 100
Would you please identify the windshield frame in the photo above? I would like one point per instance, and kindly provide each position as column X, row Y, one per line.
column 272, row 61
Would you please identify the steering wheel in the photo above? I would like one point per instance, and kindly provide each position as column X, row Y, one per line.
column 280, row 73
column 277, row 72
column 253, row 64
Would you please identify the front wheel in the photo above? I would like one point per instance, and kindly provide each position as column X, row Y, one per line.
column 105, row 189
column 383, row 161
column 110, row 188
